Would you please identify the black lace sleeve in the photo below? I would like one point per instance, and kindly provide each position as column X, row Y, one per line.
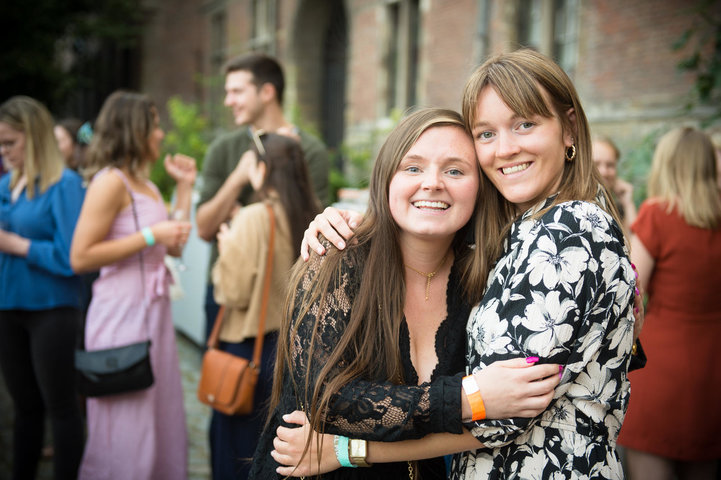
column 364, row 408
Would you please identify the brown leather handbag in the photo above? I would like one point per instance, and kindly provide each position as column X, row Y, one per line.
column 227, row 383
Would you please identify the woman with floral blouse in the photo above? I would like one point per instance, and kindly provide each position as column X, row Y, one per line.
column 561, row 286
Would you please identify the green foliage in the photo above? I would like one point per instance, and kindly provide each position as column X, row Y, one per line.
column 637, row 163
column 704, row 59
column 336, row 181
column 188, row 135
column 359, row 158
column 36, row 29
column 703, row 43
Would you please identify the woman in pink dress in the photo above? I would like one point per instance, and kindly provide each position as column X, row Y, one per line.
column 124, row 230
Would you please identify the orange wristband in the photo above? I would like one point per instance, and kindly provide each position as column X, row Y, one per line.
column 473, row 394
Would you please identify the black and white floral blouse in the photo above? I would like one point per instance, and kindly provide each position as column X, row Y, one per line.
column 563, row 290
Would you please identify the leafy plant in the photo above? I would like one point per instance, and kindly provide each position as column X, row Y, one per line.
column 704, row 61
column 54, row 48
column 188, row 135
column 703, row 38
column 359, row 158
column 637, row 163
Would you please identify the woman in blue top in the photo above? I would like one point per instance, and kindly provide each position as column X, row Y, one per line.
column 40, row 202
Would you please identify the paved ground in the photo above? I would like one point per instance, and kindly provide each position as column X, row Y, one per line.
column 197, row 416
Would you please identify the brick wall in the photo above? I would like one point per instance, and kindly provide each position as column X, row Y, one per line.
column 173, row 53
column 626, row 72
column 365, row 87
column 447, row 43
column 626, row 56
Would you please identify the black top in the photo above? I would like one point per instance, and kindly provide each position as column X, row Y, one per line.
column 371, row 408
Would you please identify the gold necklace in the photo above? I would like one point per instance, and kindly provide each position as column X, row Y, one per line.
column 430, row 274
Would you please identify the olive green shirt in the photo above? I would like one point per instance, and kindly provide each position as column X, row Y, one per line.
column 224, row 154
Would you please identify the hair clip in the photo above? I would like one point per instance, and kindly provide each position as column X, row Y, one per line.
column 85, row 133
column 256, row 134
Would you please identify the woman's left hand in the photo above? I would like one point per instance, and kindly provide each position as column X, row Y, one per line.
column 517, row 387
column 181, row 168
column 290, row 444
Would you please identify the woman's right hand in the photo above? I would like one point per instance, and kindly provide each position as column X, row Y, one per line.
column 335, row 225
column 517, row 387
column 171, row 233
column 289, row 449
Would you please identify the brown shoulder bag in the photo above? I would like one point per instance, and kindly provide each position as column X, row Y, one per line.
column 227, row 383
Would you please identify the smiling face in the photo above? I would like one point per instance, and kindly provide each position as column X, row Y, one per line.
column 12, row 146
column 243, row 98
column 523, row 157
column 433, row 192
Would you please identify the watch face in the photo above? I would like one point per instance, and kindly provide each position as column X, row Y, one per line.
column 358, row 448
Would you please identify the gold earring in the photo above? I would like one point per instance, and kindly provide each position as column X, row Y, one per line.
column 572, row 155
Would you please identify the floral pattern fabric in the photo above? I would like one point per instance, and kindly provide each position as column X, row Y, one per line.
column 563, row 290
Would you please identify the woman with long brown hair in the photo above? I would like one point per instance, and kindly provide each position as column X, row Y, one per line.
column 391, row 309
column 276, row 169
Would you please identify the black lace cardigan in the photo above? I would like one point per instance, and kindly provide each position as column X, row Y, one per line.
column 371, row 408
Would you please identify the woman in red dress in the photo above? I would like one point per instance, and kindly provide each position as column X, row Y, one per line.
column 672, row 425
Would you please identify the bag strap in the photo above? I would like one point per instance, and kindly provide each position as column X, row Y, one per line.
column 213, row 338
column 140, row 253
column 258, row 348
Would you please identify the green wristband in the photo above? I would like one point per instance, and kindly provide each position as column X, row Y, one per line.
column 341, row 451
column 148, row 236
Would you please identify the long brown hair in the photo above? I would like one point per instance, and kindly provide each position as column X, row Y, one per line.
column 521, row 78
column 683, row 175
column 368, row 347
column 286, row 174
column 43, row 160
column 122, row 132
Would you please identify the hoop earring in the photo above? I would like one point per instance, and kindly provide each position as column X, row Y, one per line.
column 572, row 155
